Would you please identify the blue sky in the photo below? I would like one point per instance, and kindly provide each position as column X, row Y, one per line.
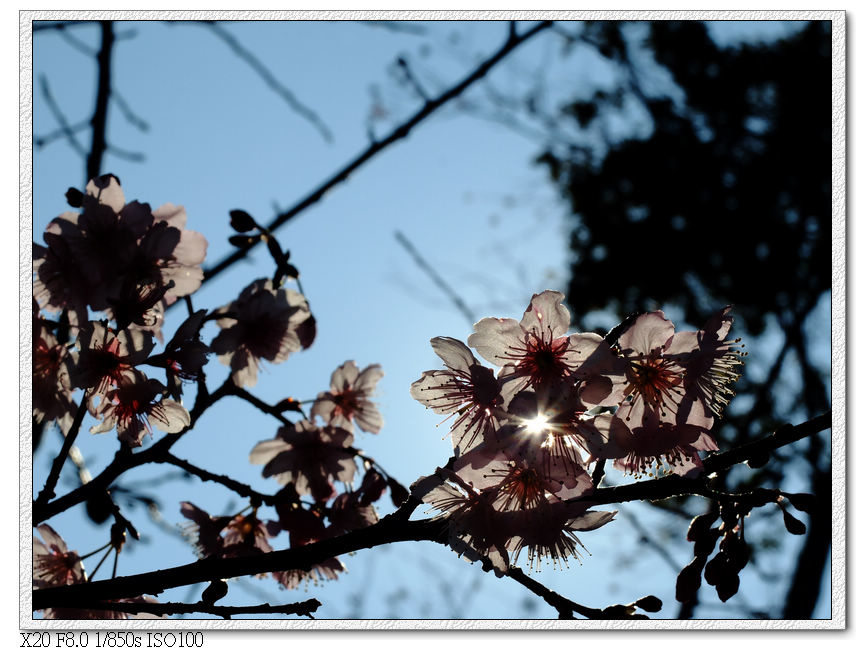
column 462, row 189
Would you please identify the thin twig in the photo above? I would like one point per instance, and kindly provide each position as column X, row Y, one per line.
column 236, row 486
column 271, row 81
column 67, row 131
column 62, row 132
column 47, row 492
column 130, row 115
column 435, row 277
column 398, row 133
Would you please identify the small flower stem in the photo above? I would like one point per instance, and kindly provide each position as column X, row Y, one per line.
column 47, row 492
column 104, row 557
column 92, row 553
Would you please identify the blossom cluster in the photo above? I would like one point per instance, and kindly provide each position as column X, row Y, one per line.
column 128, row 262
column 307, row 458
column 645, row 397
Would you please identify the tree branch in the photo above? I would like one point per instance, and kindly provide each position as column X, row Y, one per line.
column 236, row 486
column 99, row 121
column 125, row 460
column 397, row 134
column 436, row 278
column 271, row 81
column 67, row 130
column 57, row 466
column 393, row 528
column 305, row 608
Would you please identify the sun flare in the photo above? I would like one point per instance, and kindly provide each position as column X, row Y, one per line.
column 537, row 424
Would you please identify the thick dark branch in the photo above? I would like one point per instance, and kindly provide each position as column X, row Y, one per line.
column 103, row 92
column 759, row 448
column 305, row 608
column 397, row 134
column 44, row 25
column 390, row 529
column 673, row 485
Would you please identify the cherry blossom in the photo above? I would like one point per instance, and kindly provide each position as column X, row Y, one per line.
column 348, row 401
column 107, row 356
column 53, row 563
column 262, row 324
column 536, row 352
column 117, row 257
column 466, row 389
column 131, row 409
column 52, row 384
column 308, row 456
column 711, row 363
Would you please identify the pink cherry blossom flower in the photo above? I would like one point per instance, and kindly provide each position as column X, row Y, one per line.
column 653, row 377
column 474, row 530
column 52, row 385
column 712, row 364
column 346, row 513
column 54, row 565
column 205, row 531
column 247, row 535
column 651, row 446
column 348, row 400
column 106, row 356
column 547, row 531
column 304, row 526
column 536, row 352
column 184, row 355
column 117, row 257
column 131, row 409
column 308, row 456
column 329, row 569
column 262, row 324
column 466, row 389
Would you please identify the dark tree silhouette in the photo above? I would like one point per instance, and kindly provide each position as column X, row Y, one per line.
column 727, row 202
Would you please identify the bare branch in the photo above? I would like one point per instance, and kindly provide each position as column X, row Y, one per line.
column 56, row 134
column 131, row 117
column 236, row 486
column 65, row 129
column 398, row 133
column 305, row 608
column 435, row 277
column 57, row 466
column 267, row 76
column 405, row 27
column 100, row 111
